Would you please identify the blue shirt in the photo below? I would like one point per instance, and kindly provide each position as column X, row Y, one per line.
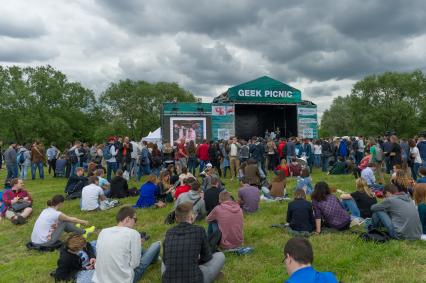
column 310, row 275
column 421, row 180
column 148, row 195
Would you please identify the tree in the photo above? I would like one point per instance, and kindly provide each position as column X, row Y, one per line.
column 379, row 103
column 133, row 107
column 40, row 103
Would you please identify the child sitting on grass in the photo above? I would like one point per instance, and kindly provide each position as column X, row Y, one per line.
column 300, row 215
column 304, row 181
column 76, row 261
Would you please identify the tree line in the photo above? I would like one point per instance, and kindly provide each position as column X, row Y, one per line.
column 391, row 101
column 41, row 103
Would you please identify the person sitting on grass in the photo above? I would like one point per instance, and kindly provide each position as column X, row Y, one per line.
column 148, row 194
column 14, row 197
column 51, row 223
column 397, row 214
column 186, row 253
column 368, row 175
column 363, row 197
column 422, row 175
column 339, row 167
column 211, row 196
column 226, row 220
column 165, row 187
column 283, row 167
column 184, row 175
column 304, row 181
column 103, row 183
column 77, row 260
column 298, row 258
column 277, row 186
column 248, row 196
column 119, row 186
column 76, row 183
column 183, row 188
column 295, row 168
column 92, row 195
column 120, row 256
column 194, row 196
column 420, row 199
column 328, row 210
column 299, row 214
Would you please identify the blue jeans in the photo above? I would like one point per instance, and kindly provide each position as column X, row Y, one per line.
column 317, row 160
column 325, row 162
column 381, row 219
column 12, row 171
column 192, row 163
column 143, row 170
column 34, row 167
column 202, row 165
column 350, row 205
column 261, row 172
column 73, row 168
column 133, row 167
column 24, row 171
column 213, row 227
column 415, row 170
column 148, row 257
column 111, row 167
column 377, row 187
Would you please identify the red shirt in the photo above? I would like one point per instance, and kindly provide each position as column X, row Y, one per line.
column 203, row 152
column 9, row 195
column 280, row 149
column 181, row 190
column 284, row 169
column 182, row 151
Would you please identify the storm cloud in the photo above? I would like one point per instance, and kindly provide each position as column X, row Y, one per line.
column 321, row 48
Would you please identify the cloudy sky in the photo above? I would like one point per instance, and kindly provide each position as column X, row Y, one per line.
column 319, row 47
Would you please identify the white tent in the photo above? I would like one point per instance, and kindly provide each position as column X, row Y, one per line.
column 154, row 137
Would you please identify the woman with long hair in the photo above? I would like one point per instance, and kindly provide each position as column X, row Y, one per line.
column 328, row 210
column 363, row 197
column 420, row 200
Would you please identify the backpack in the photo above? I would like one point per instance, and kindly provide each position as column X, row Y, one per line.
column 21, row 158
column 106, row 152
column 376, row 236
column 72, row 156
column 379, row 153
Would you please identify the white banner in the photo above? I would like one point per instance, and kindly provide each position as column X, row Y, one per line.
column 304, row 111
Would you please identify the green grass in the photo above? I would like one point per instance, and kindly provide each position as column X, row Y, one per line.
column 342, row 253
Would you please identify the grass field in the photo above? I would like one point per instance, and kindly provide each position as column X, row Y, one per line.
column 343, row 253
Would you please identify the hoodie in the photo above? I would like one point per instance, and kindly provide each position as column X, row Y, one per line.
column 192, row 196
column 421, row 145
column 229, row 217
column 403, row 214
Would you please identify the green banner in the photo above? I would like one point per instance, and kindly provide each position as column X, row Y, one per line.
column 264, row 89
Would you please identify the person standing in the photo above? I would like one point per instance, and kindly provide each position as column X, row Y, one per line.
column 125, row 156
column 290, row 149
column 421, row 145
column 11, row 162
column 110, row 152
column 415, row 157
column 182, row 155
column 327, row 152
column 52, row 156
column 119, row 253
column 317, row 153
column 234, row 160
column 26, row 158
column 37, row 160
column 203, row 154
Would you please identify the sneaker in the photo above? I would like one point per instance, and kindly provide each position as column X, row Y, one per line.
column 78, row 225
column 88, row 231
column 355, row 222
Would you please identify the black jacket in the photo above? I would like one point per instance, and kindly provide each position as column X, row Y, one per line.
column 211, row 198
column 69, row 264
column 119, row 187
column 300, row 215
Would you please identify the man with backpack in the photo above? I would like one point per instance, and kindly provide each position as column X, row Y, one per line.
column 52, row 156
column 109, row 153
column 144, row 161
column 24, row 161
column 73, row 156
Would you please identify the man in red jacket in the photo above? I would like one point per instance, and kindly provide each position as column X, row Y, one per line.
column 281, row 147
column 203, row 154
column 13, row 196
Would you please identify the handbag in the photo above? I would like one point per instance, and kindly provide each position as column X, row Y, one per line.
column 20, row 205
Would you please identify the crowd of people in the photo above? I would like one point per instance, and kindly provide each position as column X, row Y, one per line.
column 190, row 177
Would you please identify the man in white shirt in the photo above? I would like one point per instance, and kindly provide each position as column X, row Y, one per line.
column 234, row 160
column 92, row 195
column 119, row 253
column 368, row 175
